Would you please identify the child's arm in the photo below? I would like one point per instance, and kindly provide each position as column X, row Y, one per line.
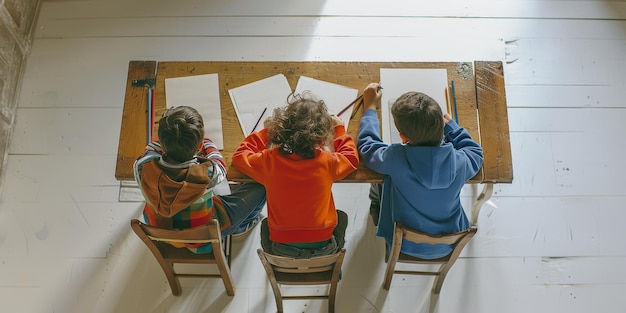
column 210, row 151
column 248, row 152
column 153, row 151
column 371, row 146
column 463, row 142
column 372, row 95
column 255, row 142
column 218, row 172
column 345, row 150
column 153, row 147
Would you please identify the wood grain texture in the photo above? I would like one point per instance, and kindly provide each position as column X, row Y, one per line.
column 134, row 129
column 494, row 122
column 234, row 74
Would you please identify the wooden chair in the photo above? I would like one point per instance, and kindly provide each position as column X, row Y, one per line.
column 322, row 270
column 167, row 255
column 459, row 239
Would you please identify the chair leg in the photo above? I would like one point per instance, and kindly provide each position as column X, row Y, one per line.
column 437, row 284
column 434, row 298
column 228, row 248
column 221, row 260
column 227, row 279
column 389, row 273
column 393, row 259
column 174, row 282
column 278, row 297
column 443, row 272
column 272, row 278
column 331, row 297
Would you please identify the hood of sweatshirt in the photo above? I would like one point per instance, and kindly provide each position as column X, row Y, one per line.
column 169, row 190
column 433, row 167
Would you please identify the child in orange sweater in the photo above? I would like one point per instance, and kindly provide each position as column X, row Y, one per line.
column 289, row 157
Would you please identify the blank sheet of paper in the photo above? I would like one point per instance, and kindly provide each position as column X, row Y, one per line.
column 397, row 81
column 202, row 93
column 336, row 96
column 256, row 101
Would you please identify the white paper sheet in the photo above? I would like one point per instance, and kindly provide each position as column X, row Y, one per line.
column 395, row 82
column 202, row 93
column 256, row 101
column 336, row 96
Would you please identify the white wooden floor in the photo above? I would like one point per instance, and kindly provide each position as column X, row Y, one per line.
column 553, row 241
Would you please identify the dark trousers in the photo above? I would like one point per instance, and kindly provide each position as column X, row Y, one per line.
column 339, row 233
column 375, row 191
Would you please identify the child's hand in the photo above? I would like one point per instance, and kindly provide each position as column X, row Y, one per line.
column 446, row 118
column 336, row 120
column 371, row 96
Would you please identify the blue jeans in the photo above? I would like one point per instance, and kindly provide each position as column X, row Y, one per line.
column 243, row 205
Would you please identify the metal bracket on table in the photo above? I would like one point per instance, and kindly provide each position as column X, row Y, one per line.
column 145, row 82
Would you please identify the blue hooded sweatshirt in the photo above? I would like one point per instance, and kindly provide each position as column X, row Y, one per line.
column 422, row 184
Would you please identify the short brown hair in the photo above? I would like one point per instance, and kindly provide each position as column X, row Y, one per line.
column 419, row 118
column 300, row 126
column 181, row 130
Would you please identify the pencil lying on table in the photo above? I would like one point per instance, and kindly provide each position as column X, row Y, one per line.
column 258, row 121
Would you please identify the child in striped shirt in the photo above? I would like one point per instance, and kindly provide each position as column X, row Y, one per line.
column 177, row 175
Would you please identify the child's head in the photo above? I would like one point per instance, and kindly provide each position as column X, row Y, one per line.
column 300, row 127
column 418, row 117
column 181, row 131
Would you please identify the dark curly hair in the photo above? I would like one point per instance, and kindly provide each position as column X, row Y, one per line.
column 181, row 130
column 418, row 117
column 300, row 127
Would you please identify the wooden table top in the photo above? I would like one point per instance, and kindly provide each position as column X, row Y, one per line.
column 479, row 86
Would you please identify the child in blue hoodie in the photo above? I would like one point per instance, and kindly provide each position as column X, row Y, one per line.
column 424, row 174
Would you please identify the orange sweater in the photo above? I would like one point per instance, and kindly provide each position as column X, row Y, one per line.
column 300, row 203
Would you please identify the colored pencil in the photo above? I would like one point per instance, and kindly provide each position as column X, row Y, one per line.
column 353, row 102
column 456, row 113
column 356, row 108
column 258, row 121
column 349, row 105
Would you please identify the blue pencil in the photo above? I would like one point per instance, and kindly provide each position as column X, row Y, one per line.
column 258, row 121
column 456, row 113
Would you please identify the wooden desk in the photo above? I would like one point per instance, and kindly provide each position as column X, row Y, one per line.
column 479, row 86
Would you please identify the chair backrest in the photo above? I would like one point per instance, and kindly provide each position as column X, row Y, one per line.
column 457, row 240
column 160, row 240
column 322, row 270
